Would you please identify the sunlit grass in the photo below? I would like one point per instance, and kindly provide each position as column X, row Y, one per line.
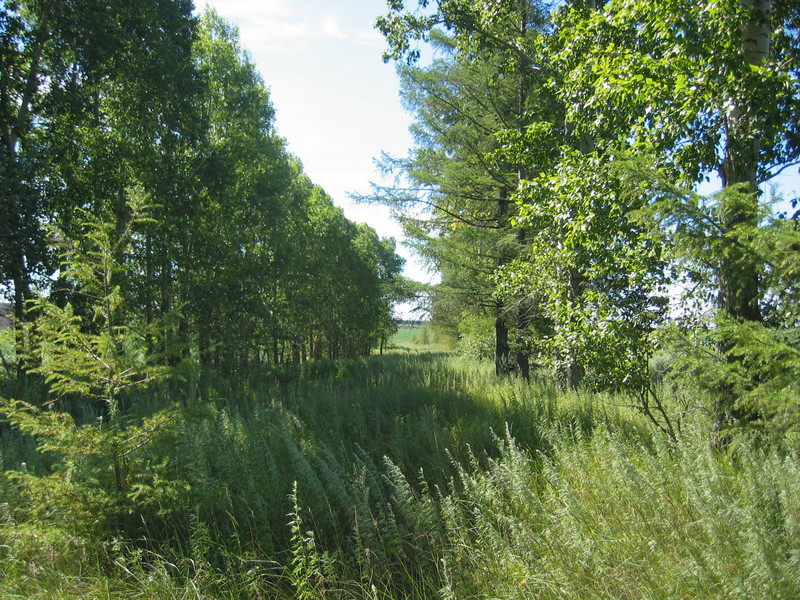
column 424, row 476
column 422, row 338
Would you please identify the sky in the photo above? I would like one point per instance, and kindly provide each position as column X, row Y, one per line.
column 336, row 103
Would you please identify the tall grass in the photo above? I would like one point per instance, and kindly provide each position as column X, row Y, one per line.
column 419, row 476
column 608, row 519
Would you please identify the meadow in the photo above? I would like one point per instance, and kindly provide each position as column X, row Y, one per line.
column 408, row 475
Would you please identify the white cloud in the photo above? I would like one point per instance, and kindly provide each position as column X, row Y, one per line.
column 282, row 26
column 330, row 28
column 242, row 10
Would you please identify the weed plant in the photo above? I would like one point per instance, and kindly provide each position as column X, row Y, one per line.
column 411, row 476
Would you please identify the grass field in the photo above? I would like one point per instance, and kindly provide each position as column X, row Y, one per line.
column 417, row 339
column 404, row 476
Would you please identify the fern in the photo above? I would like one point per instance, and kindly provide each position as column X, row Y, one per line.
column 305, row 572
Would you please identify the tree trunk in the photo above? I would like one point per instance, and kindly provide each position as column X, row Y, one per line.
column 523, row 323
column 17, row 196
column 738, row 294
column 738, row 275
column 571, row 374
column 502, row 351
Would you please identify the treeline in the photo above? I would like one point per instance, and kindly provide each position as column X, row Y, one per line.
column 147, row 198
column 559, row 153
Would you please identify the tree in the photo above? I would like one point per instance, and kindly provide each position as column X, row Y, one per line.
column 60, row 65
column 88, row 96
column 581, row 212
column 465, row 193
column 704, row 88
column 483, row 84
column 231, row 233
column 95, row 359
column 383, row 266
column 103, row 354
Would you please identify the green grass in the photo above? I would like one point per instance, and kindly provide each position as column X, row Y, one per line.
column 410, row 476
column 405, row 337
column 417, row 339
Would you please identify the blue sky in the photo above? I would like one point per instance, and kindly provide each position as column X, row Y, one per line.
column 336, row 102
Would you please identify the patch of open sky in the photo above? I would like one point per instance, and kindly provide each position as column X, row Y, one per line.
column 337, row 103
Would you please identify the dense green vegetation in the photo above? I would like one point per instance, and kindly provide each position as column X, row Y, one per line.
column 200, row 396
column 142, row 176
column 398, row 476
column 559, row 153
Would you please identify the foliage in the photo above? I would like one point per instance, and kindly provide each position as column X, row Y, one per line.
column 219, row 270
column 685, row 91
column 410, row 477
column 558, row 154
column 475, row 337
column 752, row 363
column 599, row 275
column 103, row 481
column 102, row 473
column 702, row 88
column 103, row 354
column 456, row 199
column 674, row 77
column 183, row 227
column 83, row 108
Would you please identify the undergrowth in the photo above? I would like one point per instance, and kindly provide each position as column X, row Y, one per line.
column 417, row 476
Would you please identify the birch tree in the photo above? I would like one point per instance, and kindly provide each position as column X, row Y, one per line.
column 705, row 89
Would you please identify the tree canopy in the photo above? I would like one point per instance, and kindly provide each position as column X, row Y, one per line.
column 139, row 147
column 629, row 107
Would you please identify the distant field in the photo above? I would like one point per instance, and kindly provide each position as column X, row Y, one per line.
column 404, row 337
column 416, row 339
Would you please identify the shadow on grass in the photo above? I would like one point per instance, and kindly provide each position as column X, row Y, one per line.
column 339, row 432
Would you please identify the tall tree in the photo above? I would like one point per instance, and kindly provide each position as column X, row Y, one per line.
column 483, row 84
column 82, row 103
column 243, row 176
column 706, row 88
column 465, row 193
